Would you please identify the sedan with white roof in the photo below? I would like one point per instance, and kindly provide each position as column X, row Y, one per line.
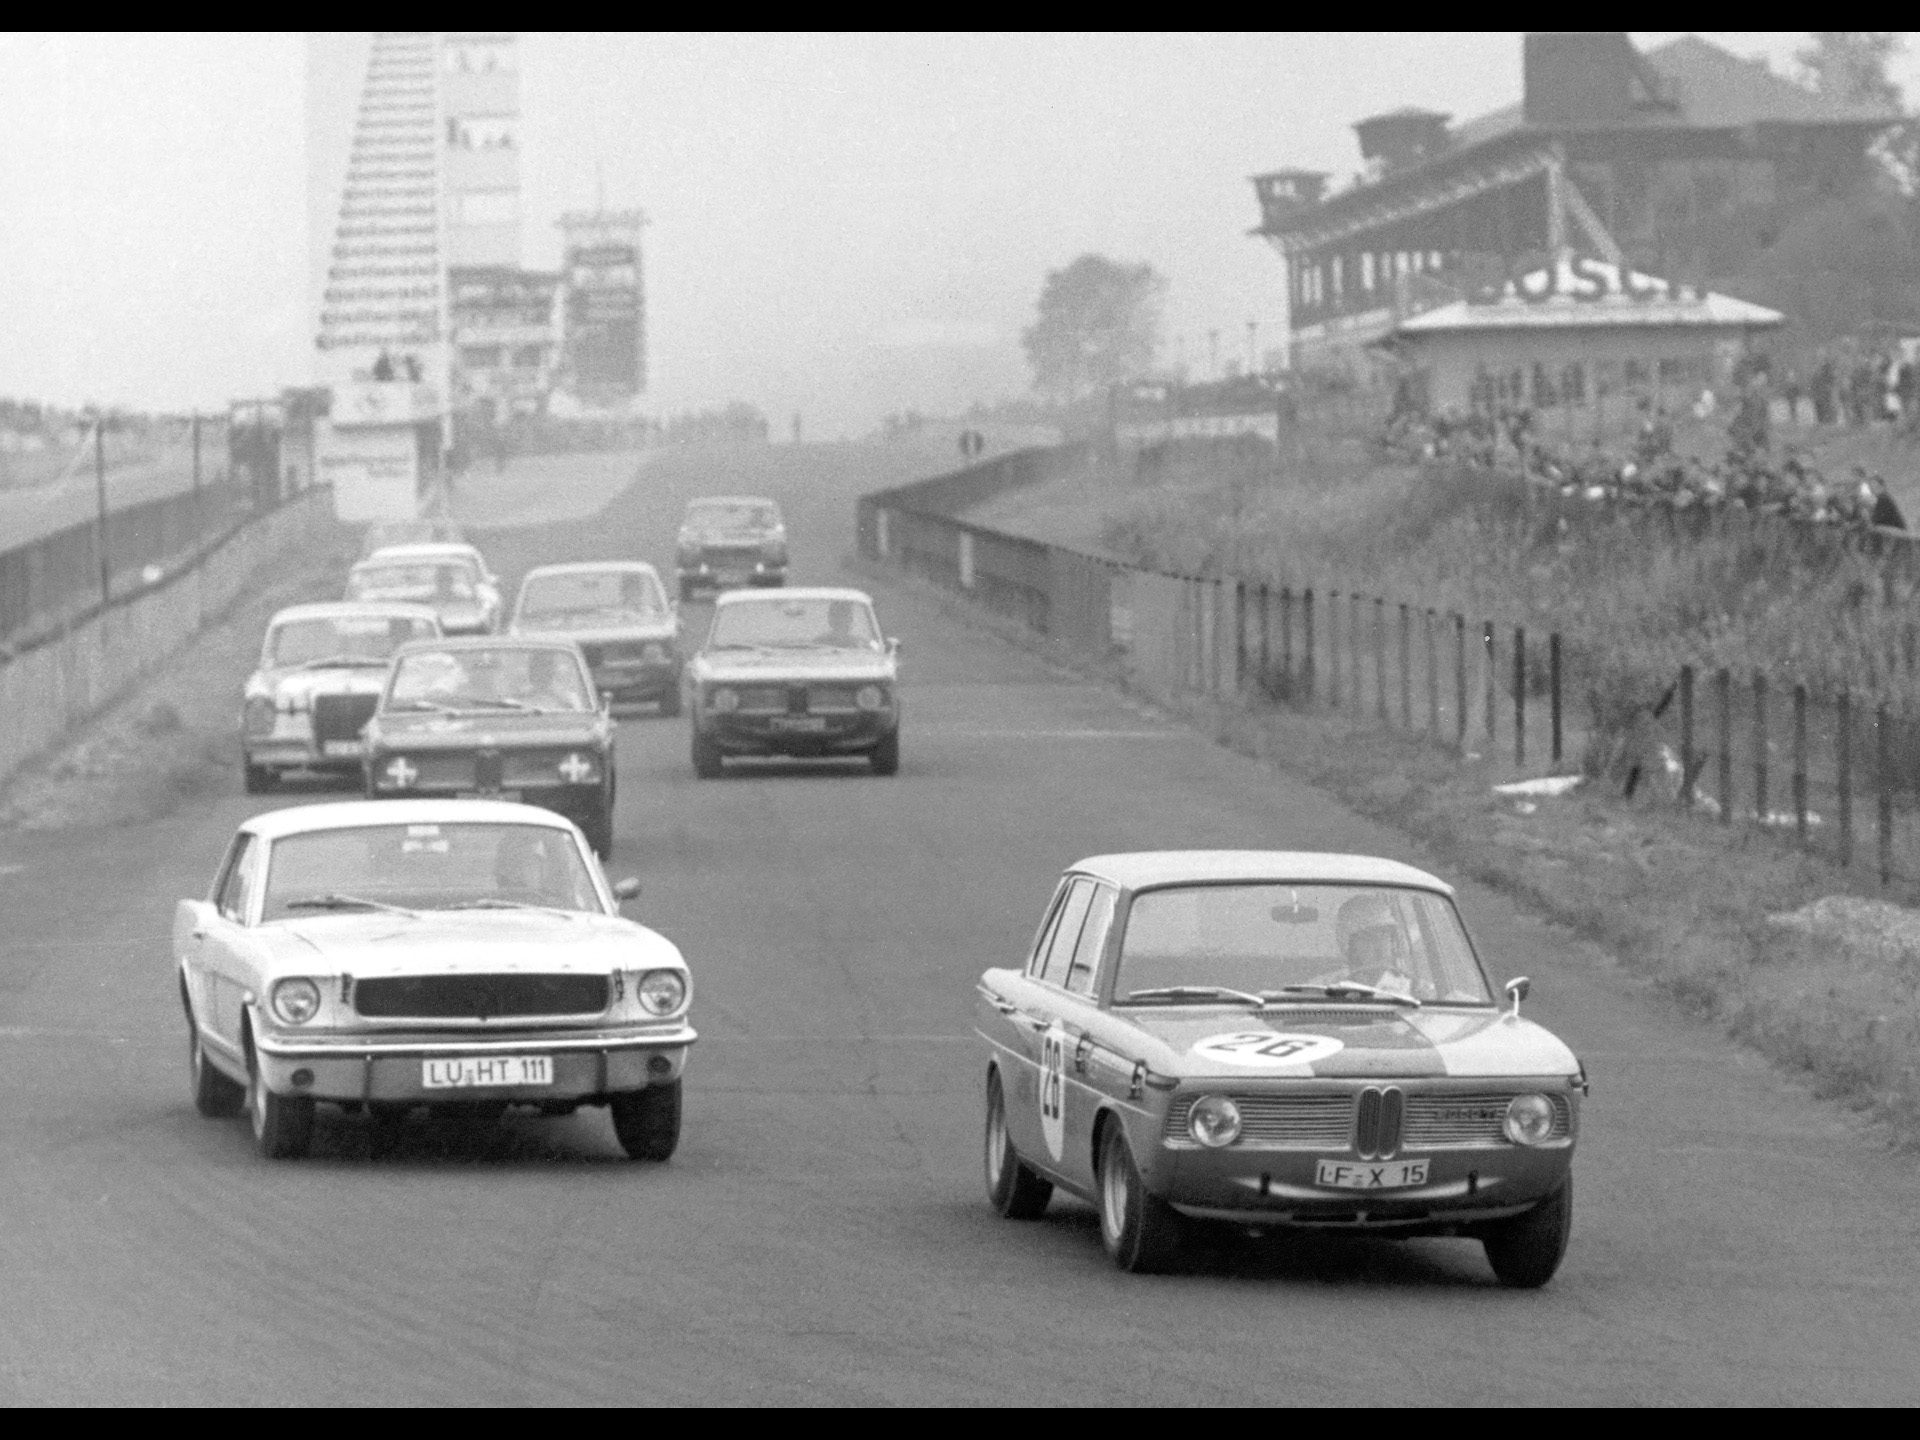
column 464, row 956
column 1274, row 1039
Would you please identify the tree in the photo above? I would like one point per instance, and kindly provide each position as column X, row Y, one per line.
column 1098, row 324
column 1851, row 65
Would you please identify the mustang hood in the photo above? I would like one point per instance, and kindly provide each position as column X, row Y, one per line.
column 759, row 667
column 372, row 943
column 1329, row 1044
column 488, row 729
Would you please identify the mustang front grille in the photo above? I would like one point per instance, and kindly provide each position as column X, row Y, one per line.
column 342, row 717
column 1377, row 1122
column 479, row 997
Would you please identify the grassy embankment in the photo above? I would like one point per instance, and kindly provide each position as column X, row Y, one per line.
column 1780, row 948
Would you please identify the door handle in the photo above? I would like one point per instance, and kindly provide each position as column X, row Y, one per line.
column 1002, row 1004
column 1034, row 1023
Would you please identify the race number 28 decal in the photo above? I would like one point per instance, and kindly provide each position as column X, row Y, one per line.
column 1267, row 1049
column 1053, row 1089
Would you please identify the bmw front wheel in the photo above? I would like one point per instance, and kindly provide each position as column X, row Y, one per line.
column 1526, row 1249
column 1141, row 1232
column 1013, row 1190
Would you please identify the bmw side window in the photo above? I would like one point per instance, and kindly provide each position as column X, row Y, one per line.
column 231, row 897
column 1038, row 959
column 1093, row 942
column 1073, row 914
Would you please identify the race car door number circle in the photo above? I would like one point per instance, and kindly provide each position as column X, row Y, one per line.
column 1267, row 1049
column 1053, row 1089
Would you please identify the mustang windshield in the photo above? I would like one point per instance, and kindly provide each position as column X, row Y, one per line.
column 427, row 867
column 437, row 582
column 1297, row 942
column 354, row 637
column 731, row 515
column 783, row 624
column 591, row 600
column 499, row 677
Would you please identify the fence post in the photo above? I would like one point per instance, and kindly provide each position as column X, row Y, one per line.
column 1333, row 649
column 1760, row 746
column 100, row 503
column 1307, row 651
column 1266, row 633
column 1686, row 737
column 1493, row 682
column 1406, row 668
column 1553, row 695
column 1355, row 658
column 1380, row 657
column 1519, row 695
column 1286, row 635
column 1460, row 680
column 1723, row 684
column 1800, row 763
column 1883, row 793
column 1433, row 673
column 1843, row 744
column 1240, row 637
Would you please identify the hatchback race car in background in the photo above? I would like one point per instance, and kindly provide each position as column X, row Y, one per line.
column 499, row 718
column 451, row 588
column 456, row 955
column 321, row 671
column 618, row 614
column 1274, row 1039
column 730, row 540
column 805, row 673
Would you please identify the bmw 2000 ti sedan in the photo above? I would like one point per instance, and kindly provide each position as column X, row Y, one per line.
column 498, row 719
column 730, row 540
column 619, row 616
column 804, row 673
column 1274, row 1039
column 462, row 955
column 321, row 671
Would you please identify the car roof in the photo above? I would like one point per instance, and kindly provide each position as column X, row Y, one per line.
column 344, row 814
column 425, row 550
column 344, row 609
column 731, row 500
column 588, row 567
column 791, row 592
column 1142, row 869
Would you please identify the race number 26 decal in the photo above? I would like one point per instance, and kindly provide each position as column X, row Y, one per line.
column 1053, row 1089
column 1267, row 1049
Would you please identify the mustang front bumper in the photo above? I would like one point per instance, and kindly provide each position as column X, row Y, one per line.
column 587, row 1065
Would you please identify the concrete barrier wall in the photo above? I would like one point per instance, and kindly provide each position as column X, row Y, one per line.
column 57, row 685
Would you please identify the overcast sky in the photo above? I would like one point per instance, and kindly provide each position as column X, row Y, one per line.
column 841, row 225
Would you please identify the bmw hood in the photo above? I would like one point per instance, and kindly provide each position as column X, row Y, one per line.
column 489, row 730
column 1220, row 1042
column 375, row 943
column 762, row 667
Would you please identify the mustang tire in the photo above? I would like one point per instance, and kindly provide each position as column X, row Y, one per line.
column 282, row 1124
column 707, row 763
column 1140, row 1231
column 1526, row 1249
column 260, row 780
column 647, row 1122
column 214, row 1094
column 1013, row 1190
column 885, row 757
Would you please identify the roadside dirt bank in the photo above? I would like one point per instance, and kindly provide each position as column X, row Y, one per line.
column 1807, row 964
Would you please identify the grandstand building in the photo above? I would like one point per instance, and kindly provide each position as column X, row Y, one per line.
column 1679, row 162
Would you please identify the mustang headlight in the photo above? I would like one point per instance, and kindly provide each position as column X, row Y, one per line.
column 1529, row 1120
column 257, row 717
column 661, row 992
column 295, row 1001
column 870, row 697
column 1214, row 1121
column 724, row 701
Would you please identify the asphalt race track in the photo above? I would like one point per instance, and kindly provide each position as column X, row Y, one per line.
column 821, row 1236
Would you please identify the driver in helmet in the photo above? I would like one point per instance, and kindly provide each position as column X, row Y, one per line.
column 1374, row 944
column 521, row 865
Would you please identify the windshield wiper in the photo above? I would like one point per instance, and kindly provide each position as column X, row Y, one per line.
column 433, row 705
column 488, row 702
column 1195, row 992
column 494, row 902
column 1336, row 988
column 331, row 662
column 349, row 902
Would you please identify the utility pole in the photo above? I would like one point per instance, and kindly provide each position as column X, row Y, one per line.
column 1253, row 347
column 199, row 526
column 100, row 503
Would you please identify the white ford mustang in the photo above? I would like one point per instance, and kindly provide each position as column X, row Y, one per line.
column 387, row 955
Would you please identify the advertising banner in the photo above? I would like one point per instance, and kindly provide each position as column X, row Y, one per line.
column 604, row 318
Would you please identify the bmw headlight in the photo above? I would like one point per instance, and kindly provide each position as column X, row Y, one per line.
column 870, row 697
column 1214, row 1121
column 1529, row 1120
column 661, row 992
column 257, row 718
column 295, row 1001
column 723, row 700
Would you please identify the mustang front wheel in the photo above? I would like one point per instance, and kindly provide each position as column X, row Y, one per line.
column 1013, row 1190
column 282, row 1124
column 215, row 1095
column 1526, row 1249
column 647, row 1122
column 1140, row 1231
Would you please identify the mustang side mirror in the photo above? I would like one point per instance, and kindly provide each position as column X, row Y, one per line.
column 1517, row 990
column 627, row 889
